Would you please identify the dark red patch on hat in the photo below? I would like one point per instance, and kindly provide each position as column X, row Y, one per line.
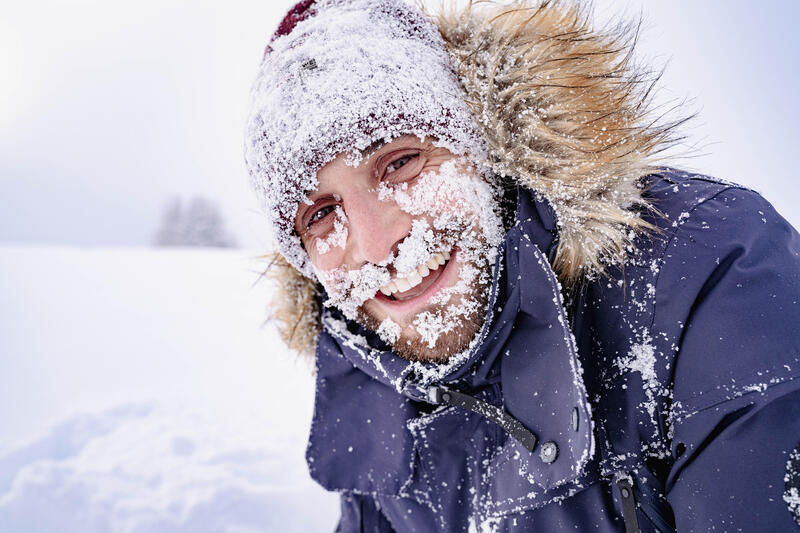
column 300, row 12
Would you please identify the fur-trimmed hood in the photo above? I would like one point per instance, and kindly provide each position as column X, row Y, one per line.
column 564, row 112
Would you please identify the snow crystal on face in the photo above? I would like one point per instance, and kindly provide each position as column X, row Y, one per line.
column 389, row 331
column 336, row 238
column 349, row 289
column 358, row 91
column 386, row 192
column 431, row 325
column 468, row 276
column 416, row 249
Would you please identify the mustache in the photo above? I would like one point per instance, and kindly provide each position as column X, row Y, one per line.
column 349, row 289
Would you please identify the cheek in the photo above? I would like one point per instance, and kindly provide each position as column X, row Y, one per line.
column 449, row 211
column 445, row 194
column 330, row 260
column 455, row 206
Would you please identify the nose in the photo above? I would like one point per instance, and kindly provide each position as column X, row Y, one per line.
column 375, row 228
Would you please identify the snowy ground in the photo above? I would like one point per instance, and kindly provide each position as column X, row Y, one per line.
column 139, row 393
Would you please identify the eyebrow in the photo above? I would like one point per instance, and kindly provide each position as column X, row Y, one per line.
column 372, row 148
column 380, row 143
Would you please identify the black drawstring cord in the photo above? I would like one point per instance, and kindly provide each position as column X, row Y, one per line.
column 512, row 426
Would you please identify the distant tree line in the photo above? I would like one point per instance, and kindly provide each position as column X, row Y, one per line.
column 199, row 223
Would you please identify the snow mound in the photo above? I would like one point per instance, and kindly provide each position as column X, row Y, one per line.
column 141, row 392
column 145, row 468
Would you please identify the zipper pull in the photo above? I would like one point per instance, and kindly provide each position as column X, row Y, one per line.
column 628, row 498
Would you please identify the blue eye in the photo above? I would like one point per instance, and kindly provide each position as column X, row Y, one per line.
column 398, row 163
column 319, row 214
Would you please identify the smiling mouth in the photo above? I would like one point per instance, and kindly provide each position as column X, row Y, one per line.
column 419, row 281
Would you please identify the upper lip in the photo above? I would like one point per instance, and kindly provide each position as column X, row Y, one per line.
column 404, row 283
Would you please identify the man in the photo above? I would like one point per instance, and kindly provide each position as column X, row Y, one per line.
column 520, row 321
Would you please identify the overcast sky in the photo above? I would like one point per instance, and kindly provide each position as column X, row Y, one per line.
column 108, row 108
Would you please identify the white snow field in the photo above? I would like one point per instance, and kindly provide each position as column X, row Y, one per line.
column 141, row 392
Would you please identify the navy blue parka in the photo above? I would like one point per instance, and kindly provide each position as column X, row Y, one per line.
column 661, row 395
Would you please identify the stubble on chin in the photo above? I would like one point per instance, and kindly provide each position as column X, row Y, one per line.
column 411, row 345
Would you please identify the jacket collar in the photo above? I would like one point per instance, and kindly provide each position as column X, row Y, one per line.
column 367, row 352
column 358, row 379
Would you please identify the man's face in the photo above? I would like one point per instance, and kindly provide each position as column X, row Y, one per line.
column 403, row 242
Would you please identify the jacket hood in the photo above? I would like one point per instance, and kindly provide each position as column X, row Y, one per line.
column 565, row 113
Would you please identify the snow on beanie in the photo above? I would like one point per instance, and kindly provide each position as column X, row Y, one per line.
column 337, row 76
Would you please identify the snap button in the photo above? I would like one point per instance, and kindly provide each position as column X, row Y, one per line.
column 574, row 419
column 548, row 452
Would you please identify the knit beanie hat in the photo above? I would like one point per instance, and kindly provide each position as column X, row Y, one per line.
column 338, row 76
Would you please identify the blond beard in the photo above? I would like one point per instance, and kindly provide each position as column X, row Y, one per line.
column 412, row 346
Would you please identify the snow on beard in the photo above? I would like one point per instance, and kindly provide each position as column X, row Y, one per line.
column 452, row 207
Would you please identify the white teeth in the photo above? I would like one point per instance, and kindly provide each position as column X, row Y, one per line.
column 402, row 284
column 415, row 277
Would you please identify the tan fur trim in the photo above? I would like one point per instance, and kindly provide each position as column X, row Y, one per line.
column 294, row 309
column 565, row 113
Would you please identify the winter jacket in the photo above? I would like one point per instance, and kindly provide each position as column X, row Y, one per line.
column 638, row 357
column 660, row 396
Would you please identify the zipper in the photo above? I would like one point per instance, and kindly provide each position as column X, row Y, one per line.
column 628, row 498
column 658, row 512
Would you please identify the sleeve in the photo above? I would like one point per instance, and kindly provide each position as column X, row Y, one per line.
column 362, row 514
column 736, row 392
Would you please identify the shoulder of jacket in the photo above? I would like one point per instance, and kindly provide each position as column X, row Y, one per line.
column 686, row 202
column 732, row 266
column 679, row 191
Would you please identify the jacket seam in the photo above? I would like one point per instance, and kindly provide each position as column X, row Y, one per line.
column 714, row 403
column 670, row 383
column 669, row 242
